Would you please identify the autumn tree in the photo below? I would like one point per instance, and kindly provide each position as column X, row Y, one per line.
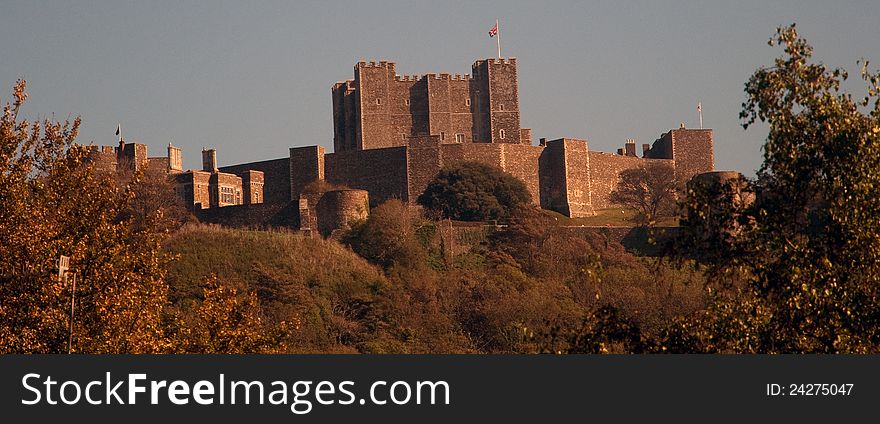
column 227, row 321
column 390, row 236
column 811, row 260
column 53, row 203
column 474, row 191
column 650, row 190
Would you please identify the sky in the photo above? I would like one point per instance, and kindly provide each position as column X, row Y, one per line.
column 252, row 79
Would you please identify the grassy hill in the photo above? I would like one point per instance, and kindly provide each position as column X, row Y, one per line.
column 333, row 293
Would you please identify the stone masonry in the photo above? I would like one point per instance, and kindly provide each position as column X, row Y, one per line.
column 393, row 133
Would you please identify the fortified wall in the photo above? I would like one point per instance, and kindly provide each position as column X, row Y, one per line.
column 393, row 133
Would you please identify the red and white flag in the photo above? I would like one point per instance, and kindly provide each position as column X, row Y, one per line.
column 494, row 30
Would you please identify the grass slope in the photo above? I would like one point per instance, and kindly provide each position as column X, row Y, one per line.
column 327, row 288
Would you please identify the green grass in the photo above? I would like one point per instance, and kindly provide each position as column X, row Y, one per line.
column 248, row 255
column 615, row 217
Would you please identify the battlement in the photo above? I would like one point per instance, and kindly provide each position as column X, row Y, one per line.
column 438, row 76
column 408, row 77
column 379, row 108
column 495, row 61
column 348, row 85
column 375, row 64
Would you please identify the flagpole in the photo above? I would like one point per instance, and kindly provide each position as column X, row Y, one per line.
column 498, row 37
column 700, row 109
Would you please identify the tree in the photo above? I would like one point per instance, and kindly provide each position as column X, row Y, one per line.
column 473, row 191
column 155, row 199
column 226, row 321
column 389, row 237
column 650, row 190
column 811, row 261
column 717, row 214
column 53, row 203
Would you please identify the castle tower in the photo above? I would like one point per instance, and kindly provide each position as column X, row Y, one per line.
column 379, row 108
column 131, row 156
column 497, row 95
column 373, row 128
column 691, row 149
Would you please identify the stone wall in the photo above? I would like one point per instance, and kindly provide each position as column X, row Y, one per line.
column 521, row 161
column 103, row 158
column 605, row 169
column 264, row 215
column 382, row 172
column 692, row 151
column 276, row 178
column 252, row 183
column 306, row 165
column 567, row 178
column 134, row 155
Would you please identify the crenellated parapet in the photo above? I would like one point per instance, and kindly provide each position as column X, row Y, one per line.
column 379, row 108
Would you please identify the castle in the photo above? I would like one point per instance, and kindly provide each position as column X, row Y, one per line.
column 208, row 188
column 393, row 133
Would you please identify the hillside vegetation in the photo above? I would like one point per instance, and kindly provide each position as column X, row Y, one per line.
column 328, row 291
column 497, row 297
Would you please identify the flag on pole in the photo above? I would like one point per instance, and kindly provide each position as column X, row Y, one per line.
column 118, row 129
column 699, row 107
column 494, row 33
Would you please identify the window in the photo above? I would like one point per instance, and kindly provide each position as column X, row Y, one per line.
column 467, row 102
column 227, row 195
column 442, row 135
column 378, row 101
column 403, row 136
column 459, row 138
column 501, row 134
column 501, row 107
column 406, row 101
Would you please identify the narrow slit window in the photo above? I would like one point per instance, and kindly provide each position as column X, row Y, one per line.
column 501, row 134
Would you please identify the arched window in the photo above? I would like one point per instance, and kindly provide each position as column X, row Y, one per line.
column 501, row 134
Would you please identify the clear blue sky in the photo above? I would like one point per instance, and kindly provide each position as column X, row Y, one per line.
column 254, row 78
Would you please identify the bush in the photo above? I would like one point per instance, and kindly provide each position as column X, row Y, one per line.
column 391, row 236
column 473, row 191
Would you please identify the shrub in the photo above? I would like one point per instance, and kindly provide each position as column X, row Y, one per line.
column 473, row 191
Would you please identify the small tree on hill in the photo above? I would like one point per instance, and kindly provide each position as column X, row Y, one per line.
column 650, row 190
column 473, row 191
